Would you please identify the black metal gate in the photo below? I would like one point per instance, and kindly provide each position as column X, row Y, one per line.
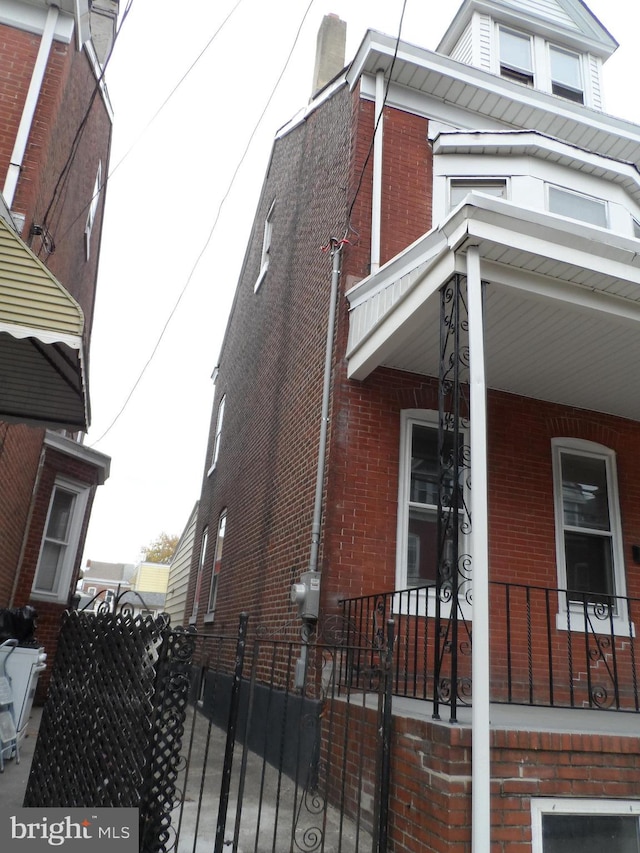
column 289, row 747
column 286, row 746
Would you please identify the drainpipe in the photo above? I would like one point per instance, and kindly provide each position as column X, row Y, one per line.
column 30, row 104
column 376, row 192
column 480, row 724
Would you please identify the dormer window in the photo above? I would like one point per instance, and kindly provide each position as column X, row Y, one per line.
column 515, row 56
column 566, row 76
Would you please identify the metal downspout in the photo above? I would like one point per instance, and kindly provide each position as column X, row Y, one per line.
column 376, row 191
column 30, row 104
column 480, row 723
column 336, row 251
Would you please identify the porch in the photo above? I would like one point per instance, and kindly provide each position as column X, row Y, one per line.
column 549, row 648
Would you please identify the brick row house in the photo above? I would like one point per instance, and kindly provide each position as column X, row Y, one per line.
column 479, row 475
column 55, row 139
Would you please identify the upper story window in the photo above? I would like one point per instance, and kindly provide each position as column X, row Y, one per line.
column 636, row 228
column 266, row 245
column 515, row 56
column 576, row 205
column 461, row 187
column 218, row 433
column 93, row 209
column 60, row 542
column 217, row 561
column 566, row 74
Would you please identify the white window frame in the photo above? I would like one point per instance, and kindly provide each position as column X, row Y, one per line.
column 583, row 806
column 474, row 184
column 409, row 418
column 573, row 615
column 267, row 236
column 93, row 209
column 217, row 557
column 564, row 86
column 64, row 572
column 526, row 76
column 204, row 539
column 569, row 192
column 217, row 437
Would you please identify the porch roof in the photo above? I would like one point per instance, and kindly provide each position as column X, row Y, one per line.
column 562, row 305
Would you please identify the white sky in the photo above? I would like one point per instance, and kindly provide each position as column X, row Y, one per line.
column 161, row 205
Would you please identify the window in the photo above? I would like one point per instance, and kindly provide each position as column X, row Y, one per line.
column 588, row 533
column 59, row 546
column 459, row 188
column 203, row 554
column 93, row 208
column 636, row 228
column 217, row 561
column 218, row 433
column 566, row 76
column 417, row 556
column 577, row 206
column 266, row 246
column 515, row 56
column 584, row 826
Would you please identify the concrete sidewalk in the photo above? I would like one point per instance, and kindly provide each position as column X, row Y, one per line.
column 13, row 782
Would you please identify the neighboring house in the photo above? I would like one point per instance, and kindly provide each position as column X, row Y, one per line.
column 55, row 139
column 484, row 357
column 178, row 581
column 101, row 581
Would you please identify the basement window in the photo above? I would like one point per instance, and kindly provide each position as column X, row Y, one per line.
column 584, row 826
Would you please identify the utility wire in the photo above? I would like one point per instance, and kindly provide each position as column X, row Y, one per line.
column 153, row 117
column 375, row 129
column 211, row 232
column 66, row 169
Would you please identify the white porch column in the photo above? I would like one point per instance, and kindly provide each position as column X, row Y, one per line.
column 480, row 768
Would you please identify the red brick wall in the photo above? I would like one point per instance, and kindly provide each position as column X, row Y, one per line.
column 430, row 791
column 67, row 95
column 19, row 459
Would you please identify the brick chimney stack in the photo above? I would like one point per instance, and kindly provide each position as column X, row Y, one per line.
column 330, row 50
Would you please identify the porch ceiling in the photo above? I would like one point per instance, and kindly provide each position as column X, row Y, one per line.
column 562, row 307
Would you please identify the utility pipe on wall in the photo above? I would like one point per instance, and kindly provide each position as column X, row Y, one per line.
column 30, row 104
column 480, row 724
column 376, row 191
column 336, row 252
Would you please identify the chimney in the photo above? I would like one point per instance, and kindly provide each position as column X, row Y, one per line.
column 330, row 47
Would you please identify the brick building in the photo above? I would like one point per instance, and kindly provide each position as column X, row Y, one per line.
column 480, row 466
column 55, row 138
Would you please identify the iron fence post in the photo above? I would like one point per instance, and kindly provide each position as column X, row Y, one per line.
column 385, row 764
column 234, row 707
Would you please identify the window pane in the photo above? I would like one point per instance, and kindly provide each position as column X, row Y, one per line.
column 576, row 206
column 584, row 492
column 460, row 189
column 565, row 68
column 590, row 833
column 589, row 564
column 424, row 466
column 50, row 561
column 422, row 547
column 515, row 51
column 60, row 515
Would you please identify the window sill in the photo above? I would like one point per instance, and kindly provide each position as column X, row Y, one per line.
column 208, row 618
column 616, row 626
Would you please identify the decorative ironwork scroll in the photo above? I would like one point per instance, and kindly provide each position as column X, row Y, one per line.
column 454, row 578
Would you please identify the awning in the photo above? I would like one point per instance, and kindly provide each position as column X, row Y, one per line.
column 42, row 371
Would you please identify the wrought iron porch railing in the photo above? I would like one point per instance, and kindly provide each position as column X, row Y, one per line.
column 549, row 647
